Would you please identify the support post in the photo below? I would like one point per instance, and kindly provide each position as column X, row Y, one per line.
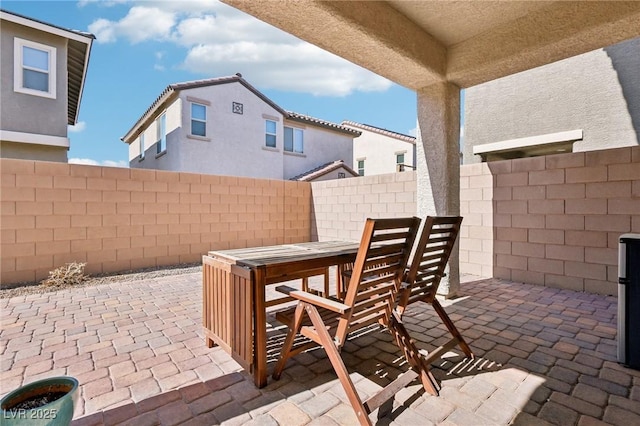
column 438, row 163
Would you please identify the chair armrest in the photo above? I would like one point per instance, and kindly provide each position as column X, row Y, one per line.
column 318, row 301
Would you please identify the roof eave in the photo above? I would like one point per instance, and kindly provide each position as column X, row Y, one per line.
column 84, row 79
column 46, row 27
column 326, row 125
column 166, row 96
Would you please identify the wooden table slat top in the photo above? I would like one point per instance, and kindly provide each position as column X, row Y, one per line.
column 271, row 255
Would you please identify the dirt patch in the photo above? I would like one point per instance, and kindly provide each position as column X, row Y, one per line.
column 137, row 275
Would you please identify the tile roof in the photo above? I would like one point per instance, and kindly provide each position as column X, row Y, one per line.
column 322, row 123
column 380, row 130
column 172, row 90
column 323, row 170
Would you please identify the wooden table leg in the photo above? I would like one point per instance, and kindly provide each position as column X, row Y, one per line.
column 260, row 329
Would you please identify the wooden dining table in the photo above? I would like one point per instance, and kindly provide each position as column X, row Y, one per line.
column 234, row 293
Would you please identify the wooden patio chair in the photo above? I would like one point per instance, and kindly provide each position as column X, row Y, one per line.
column 304, row 277
column 370, row 298
column 423, row 277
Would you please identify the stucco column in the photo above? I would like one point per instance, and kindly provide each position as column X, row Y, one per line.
column 438, row 163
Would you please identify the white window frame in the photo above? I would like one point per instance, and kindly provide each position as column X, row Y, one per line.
column 161, row 130
column 198, row 120
column 293, row 142
column 142, row 146
column 360, row 169
column 18, row 84
column 266, row 133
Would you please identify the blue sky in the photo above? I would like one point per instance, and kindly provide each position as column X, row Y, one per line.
column 143, row 46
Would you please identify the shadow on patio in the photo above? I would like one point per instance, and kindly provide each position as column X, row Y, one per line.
column 543, row 355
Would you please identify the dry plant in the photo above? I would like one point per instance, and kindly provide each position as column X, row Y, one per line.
column 68, row 275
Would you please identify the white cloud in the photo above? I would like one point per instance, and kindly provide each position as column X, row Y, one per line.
column 120, row 163
column 220, row 40
column 107, row 163
column 300, row 67
column 104, row 31
column 107, row 3
column 86, row 161
column 79, row 127
column 141, row 23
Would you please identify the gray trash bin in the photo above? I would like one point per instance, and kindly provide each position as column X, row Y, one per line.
column 629, row 300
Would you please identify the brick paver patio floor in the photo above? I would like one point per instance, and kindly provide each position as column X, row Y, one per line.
column 544, row 356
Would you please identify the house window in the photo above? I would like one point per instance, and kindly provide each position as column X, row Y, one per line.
column 198, row 119
column 270, row 133
column 361, row 167
column 34, row 68
column 161, row 129
column 400, row 162
column 142, row 146
column 293, row 140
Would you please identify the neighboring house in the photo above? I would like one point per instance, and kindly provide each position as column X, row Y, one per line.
column 225, row 126
column 583, row 103
column 334, row 170
column 378, row 151
column 43, row 69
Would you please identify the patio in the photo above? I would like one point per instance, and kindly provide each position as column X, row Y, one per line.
column 543, row 356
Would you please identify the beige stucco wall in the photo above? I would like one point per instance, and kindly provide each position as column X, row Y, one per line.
column 30, row 151
column 235, row 143
column 25, row 113
column 379, row 152
column 597, row 92
column 173, row 113
column 321, row 146
column 117, row 219
column 19, row 109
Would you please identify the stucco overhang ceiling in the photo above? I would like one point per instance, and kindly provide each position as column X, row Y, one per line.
column 418, row 43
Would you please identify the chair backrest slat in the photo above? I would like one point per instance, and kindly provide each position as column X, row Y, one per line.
column 377, row 272
column 431, row 256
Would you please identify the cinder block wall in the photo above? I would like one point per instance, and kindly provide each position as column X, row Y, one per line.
column 557, row 219
column 340, row 207
column 117, row 219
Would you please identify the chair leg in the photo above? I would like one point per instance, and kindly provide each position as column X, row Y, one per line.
column 288, row 341
column 451, row 327
column 412, row 354
column 338, row 365
column 403, row 300
column 326, row 283
column 340, row 282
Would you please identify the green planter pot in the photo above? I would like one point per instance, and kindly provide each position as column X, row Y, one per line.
column 58, row 412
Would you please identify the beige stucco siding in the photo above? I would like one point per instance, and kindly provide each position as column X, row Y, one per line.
column 379, row 152
column 321, row 146
column 236, row 144
column 173, row 124
column 597, row 92
column 29, row 113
